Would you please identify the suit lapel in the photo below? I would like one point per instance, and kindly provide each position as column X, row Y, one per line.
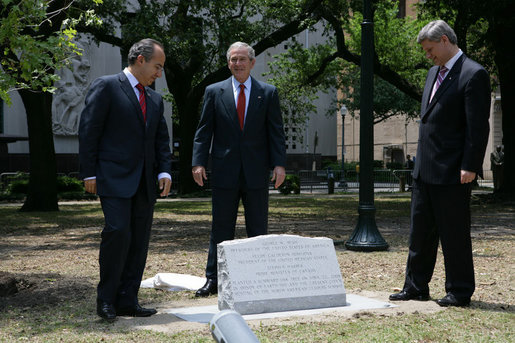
column 451, row 77
column 152, row 106
column 126, row 87
column 256, row 97
column 227, row 96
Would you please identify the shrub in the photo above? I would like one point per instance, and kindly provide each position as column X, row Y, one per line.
column 18, row 184
column 394, row 165
column 291, row 184
column 65, row 184
column 378, row 164
column 69, row 184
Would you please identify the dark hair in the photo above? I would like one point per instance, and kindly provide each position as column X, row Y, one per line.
column 435, row 30
column 145, row 48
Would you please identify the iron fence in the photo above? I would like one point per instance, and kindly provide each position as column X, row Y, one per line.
column 311, row 181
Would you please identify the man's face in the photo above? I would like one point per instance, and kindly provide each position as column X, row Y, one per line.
column 240, row 64
column 149, row 71
column 438, row 52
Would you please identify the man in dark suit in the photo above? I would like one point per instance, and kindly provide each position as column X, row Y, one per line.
column 123, row 150
column 452, row 141
column 242, row 118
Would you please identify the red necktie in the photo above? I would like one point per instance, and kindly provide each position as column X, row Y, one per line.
column 142, row 101
column 240, row 107
column 439, row 80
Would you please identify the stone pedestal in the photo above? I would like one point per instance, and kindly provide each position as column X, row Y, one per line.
column 275, row 273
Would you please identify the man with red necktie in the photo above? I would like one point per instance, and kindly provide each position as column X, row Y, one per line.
column 452, row 141
column 242, row 127
column 124, row 152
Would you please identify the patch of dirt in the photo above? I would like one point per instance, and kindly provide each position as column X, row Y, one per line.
column 40, row 290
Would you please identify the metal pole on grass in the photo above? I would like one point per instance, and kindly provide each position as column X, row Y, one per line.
column 366, row 236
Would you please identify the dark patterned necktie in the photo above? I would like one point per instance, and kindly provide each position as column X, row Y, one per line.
column 142, row 101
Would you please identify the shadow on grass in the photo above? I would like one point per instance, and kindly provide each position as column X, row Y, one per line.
column 492, row 306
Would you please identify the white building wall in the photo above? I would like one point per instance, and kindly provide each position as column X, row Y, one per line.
column 104, row 59
column 320, row 124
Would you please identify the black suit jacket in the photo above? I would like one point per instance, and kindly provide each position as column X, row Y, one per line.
column 116, row 145
column 256, row 149
column 454, row 126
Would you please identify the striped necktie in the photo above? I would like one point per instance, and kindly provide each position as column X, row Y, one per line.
column 439, row 80
column 142, row 101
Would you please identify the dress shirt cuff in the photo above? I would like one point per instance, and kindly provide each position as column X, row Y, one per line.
column 164, row 175
column 90, row 178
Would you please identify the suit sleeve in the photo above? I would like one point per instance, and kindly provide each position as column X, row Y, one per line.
column 162, row 144
column 477, row 112
column 276, row 139
column 91, row 126
column 204, row 133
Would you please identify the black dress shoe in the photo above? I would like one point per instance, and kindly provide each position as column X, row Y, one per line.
column 450, row 300
column 403, row 296
column 211, row 287
column 106, row 311
column 136, row 311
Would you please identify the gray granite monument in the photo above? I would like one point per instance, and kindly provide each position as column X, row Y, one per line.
column 276, row 273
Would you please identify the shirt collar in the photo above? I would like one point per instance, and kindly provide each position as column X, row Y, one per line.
column 236, row 83
column 450, row 63
column 132, row 79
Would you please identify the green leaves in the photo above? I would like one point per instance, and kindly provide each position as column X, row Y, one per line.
column 36, row 38
column 300, row 72
column 292, row 73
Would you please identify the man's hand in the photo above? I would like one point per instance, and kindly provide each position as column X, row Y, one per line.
column 199, row 175
column 278, row 175
column 91, row 186
column 164, row 186
column 467, row 176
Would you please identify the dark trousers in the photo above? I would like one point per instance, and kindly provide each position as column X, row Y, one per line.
column 225, row 204
column 440, row 213
column 124, row 246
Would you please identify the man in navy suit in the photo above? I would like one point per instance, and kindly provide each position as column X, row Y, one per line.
column 451, row 147
column 241, row 122
column 124, row 150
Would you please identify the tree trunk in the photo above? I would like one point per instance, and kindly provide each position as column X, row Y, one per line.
column 187, row 133
column 503, row 30
column 42, row 193
column 188, row 120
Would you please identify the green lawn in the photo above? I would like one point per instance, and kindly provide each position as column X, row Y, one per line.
column 53, row 258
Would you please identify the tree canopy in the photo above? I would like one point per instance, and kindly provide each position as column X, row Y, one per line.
column 484, row 31
column 36, row 39
column 334, row 64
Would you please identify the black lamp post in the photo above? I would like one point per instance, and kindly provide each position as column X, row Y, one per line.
column 366, row 236
column 343, row 112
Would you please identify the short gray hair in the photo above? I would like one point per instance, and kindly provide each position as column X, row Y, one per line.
column 236, row 45
column 145, row 48
column 435, row 30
